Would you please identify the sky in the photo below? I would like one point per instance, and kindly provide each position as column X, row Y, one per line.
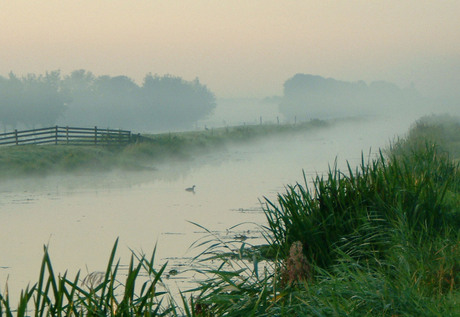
column 238, row 48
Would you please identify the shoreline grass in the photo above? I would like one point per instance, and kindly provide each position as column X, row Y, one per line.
column 381, row 240
column 153, row 149
column 97, row 294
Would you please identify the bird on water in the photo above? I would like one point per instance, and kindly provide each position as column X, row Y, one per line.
column 191, row 189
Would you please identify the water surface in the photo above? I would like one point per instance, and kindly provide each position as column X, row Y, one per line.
column 80, row 217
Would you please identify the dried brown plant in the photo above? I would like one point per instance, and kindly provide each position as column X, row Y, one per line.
column 296, row 268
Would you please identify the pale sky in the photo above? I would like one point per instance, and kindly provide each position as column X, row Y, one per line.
column 238, row 48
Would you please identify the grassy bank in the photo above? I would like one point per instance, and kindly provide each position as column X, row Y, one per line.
column 444, row 131
column 382, row 239
column 153, row 149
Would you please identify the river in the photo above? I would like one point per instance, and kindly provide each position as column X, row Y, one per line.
column 80, row 217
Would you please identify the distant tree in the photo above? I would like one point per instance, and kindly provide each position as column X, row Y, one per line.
column 32, row 100
column 10, row 90
column 318, row 97
column 99, row 101
column 43, row 101
column 80, row 85
column 116, row 101
column 171, row 102
column 82, row 99
column 161, row 103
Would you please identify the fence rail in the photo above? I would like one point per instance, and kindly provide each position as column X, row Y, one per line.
column 67, row 135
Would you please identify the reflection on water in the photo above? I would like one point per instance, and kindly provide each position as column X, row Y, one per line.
column 80, row 217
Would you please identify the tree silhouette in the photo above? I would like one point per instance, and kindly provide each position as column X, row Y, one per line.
column 32, row 100
column 318, row 97
column 81, row 98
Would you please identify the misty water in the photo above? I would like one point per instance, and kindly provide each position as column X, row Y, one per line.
column 80, row 217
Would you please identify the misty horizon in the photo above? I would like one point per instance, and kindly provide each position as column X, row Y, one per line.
column 239, row 49
column 170, row 103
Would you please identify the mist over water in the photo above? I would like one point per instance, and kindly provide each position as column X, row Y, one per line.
column 79, row 217
column 372, row 68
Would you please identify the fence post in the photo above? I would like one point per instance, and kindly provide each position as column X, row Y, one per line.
column 56, row 136
column 108, row 136
column 95, row 135
column 67, row 134
column 16, row 136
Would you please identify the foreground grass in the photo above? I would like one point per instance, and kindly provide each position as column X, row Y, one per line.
column 153, row 149
column 379, row 240
column 97, row 294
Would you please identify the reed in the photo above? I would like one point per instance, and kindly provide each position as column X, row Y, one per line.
column 98, row 294
column 382, row 239
column 361, row 208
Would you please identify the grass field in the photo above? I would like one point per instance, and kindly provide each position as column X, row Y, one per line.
column 154, row 149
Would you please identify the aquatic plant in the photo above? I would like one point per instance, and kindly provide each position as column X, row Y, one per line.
column 98, row 294
column 382, row 239
column 356, row 213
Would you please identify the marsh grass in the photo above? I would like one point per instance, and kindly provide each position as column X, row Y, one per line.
column 356, row 212
column 443, row 130
column 379, row 240
column 236, row 278
column 98, row 294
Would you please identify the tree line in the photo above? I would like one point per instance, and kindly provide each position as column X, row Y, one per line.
column 83, row 99
column 318, row 97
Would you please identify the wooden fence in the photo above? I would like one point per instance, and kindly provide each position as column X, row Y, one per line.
column 67, row 135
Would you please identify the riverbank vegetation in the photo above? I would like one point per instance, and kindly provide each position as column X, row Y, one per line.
column 151, row 150
column 381, row 239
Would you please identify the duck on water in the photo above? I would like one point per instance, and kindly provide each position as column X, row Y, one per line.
column 191, row 189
